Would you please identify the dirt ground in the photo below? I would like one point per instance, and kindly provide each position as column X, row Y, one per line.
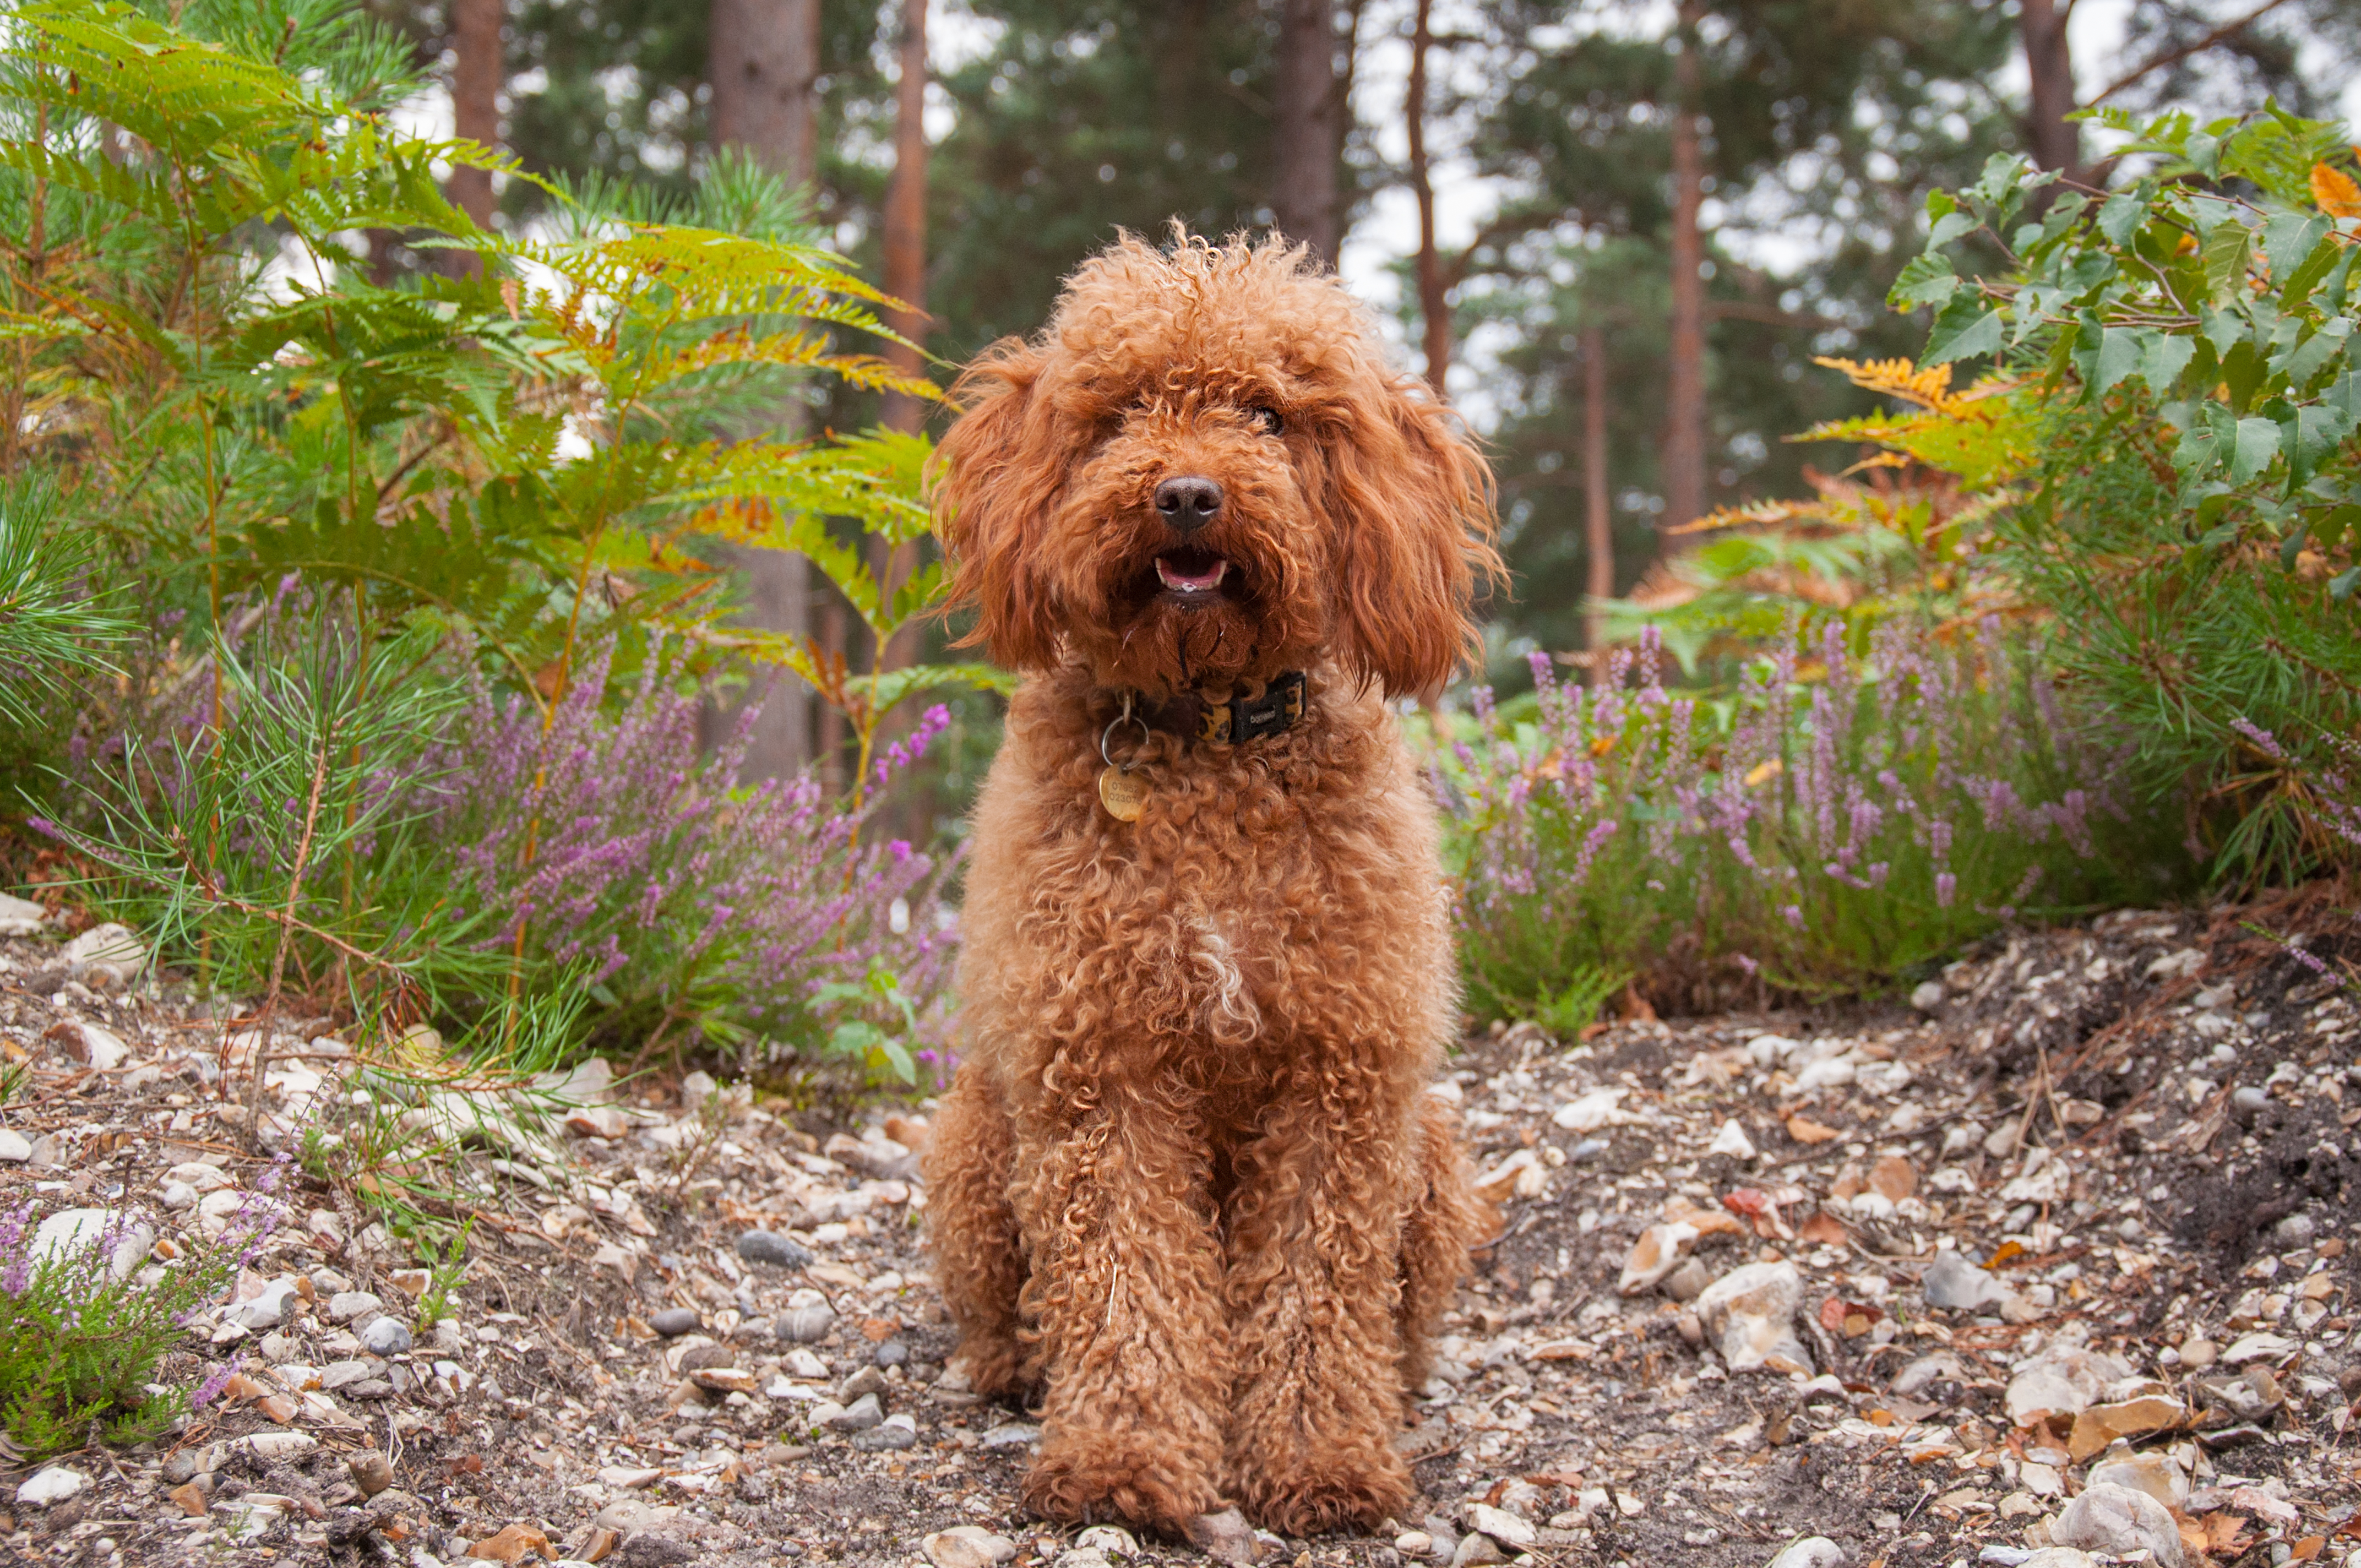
column 2137, row 1139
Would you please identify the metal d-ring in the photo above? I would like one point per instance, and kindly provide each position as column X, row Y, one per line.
column 1108, row 734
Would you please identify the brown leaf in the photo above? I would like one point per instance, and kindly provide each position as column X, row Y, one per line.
column 2334, row 189
column 1805, row 1131
column 510, row 1544
column 2307, row 1549
column 1822, row 1229
column 1893, row 1178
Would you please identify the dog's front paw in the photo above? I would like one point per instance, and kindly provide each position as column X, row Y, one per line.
column 1088, row 1475
column 1322, row 1485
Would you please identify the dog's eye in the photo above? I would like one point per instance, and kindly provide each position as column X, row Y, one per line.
column 1266, row 419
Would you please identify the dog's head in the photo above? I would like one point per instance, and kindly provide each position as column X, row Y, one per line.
column 1204, row 472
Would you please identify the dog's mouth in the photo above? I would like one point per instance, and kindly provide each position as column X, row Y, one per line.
column 1192, row 573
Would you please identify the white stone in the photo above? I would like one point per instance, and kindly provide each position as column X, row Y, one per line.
column 1732, row 1141
column 110, row 949
column 1927, row 995
column 967, row 1546
column 277, row 1445
column 2259, row 1347
column 1591, row 1111
column 2117, row 1519
column 103, row 1049
column 1502, row 1525
column 1750, row 1313
column 14, row 1147
column 21, row 916
column 51, row 1483
column 266, row 1310
column 196, row 1173
column 1812, row 1552
column 73, row 1231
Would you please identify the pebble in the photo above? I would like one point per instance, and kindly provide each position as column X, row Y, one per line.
column 2196, row 1354
column 769, row 1247
column 1224, row 1537
column 806, row 1325
column 1502, row 1525
column 674, row 1321
column 2151, row 1473
column 2063, row 1380
column 1015, row 1435
column 1812, row 1552
column 967, row 1546
column 2116, row 1519
column 1109, row 1538
column 891, row 1352
column 20, row 917
column 266, row 1310
column 1926, row 996
column 1749, row 1314
column 1413, row 1543
column 1476, row 1548
column 372, row 1472
column 15, row 1149
column 52, row 1483
column 891, row 1435
column 277, row 1445
column 347, row 1305
column 858, row 1415
column 1732, row 1141
column 1954, row 1284
column 79, row 1230
column 386, row 1337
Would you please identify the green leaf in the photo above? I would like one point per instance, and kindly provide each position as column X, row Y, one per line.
column 1948, row 227
column 2121, row 350
column 2307, row 276
column 2288, row 239
column 2314, row 353
column 2257, row 442
column 2341, row 586
column 1927, row 281
column 1963, row 330
column 2120, row 218
column 2166, row 355
column 2225, row 253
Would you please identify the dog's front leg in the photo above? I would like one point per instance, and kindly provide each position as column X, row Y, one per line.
column 1315, row 1232
column 1124, row 1308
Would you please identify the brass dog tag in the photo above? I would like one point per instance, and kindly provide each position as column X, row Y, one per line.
column 1124, row 796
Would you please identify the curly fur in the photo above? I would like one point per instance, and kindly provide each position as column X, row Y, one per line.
column 1189, row 1186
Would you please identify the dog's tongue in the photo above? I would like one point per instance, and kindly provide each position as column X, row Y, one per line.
column 1191, row 579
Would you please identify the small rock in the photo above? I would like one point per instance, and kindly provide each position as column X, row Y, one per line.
column 2116, row 1519
column 180, row 1467
column 175, row 1195
column 674, row 1321
column 1013, row 1434
column 650, row 1549
column 1750, row 1313
column 598, row 1122
column 1954, row 1284
column 2063, row 1380
column 891, row 1352
column 2151, row 1473
column 1108, row 1538
column 2197, row 1354
column 277, row 1445
column 108, row 954
column 347, row 1305
column 1731, row 1140
column 21, row 916
column 1502, row 1525
column 1660, row 1250
column 769, row 1247
column 858, row 1415
column 372, row 1472
column 806, row 1325
column 1812, row 1552
column 1926, row 996
column 868, row 1380
column 1083, row 1557
column 1413, row 1543
column 15, row 1149
column 891, row 1435
column 1224, row 1537
column 193, row 1497
column 386, row 1337
column 1476, row 1548
column 967, row 1546
column 266, row 1310
column 51, row 1483
column 1686, row 1283
column 102, row 1050
column 75, row 1231
column 2256, row 1347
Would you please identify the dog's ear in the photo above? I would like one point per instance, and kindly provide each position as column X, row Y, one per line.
column 1409, row 505
column 994, row 472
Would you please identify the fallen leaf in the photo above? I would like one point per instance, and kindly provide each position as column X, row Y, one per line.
column 2006, row 1251
column 1893, row 1178
column 1822, row 1229
column 2307, row 1549
column 510, row 1544
column 2224, row 1533
column 1805, row 1131
column 2334, row 189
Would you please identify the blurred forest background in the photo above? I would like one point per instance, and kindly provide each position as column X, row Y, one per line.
column 1663, row 213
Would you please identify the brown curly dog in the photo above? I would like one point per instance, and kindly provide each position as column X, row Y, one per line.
column 1190, row 1184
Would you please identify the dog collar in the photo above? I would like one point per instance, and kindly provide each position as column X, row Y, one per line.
column 1238, row 720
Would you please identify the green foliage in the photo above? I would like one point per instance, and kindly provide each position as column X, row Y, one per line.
column 2188, row 515
column 50, row 625
column 85, row 1327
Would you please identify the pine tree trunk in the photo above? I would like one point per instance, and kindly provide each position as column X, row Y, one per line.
column 1598, row 535
column 2057, row 141
column 478, row 69
column 905, row 279
column 1307, row 126
column 1684, row 411
column 1433, row 292
column 764, row 63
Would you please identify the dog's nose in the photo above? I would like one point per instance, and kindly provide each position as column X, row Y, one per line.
column 1188, row 504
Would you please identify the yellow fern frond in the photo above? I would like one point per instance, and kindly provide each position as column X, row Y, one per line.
column 1755, row 514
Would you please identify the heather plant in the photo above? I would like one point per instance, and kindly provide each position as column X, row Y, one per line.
column 692, row 911
column 1821, row 835
column 86, row 1321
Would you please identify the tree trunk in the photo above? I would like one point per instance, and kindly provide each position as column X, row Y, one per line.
column 478, row 69
column 2057, row 141
column 905, row 279
column 762, row 61
column 1433, row 293
column 1684, row 412
column 763, row 64
column 1307, row 126
column 1599, row 536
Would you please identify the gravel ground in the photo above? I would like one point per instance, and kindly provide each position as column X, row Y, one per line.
column 2056, row 1255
